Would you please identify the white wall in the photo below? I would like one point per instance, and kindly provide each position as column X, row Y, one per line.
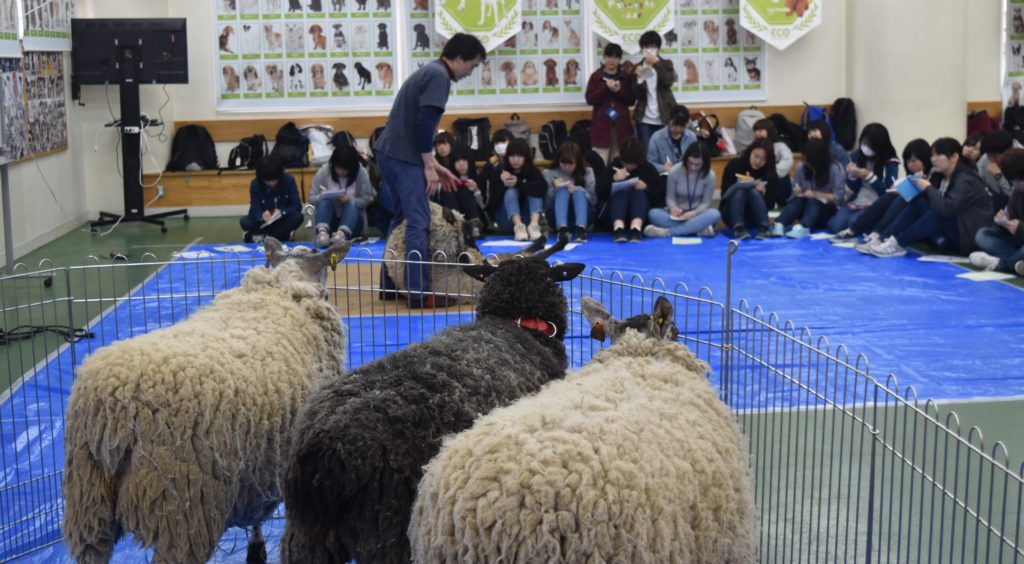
column 902, row 62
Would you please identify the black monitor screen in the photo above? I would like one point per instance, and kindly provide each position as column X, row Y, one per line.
column 111, row 51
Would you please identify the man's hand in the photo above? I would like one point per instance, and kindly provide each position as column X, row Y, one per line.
column 433, row 181
column 449, row 182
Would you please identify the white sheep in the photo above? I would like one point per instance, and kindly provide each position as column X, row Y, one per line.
column 631, row 459
column 180, row 433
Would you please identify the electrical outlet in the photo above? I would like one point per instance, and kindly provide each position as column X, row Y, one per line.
column 160, row 191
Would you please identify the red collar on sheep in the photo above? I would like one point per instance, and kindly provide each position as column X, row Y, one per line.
column 542, row 326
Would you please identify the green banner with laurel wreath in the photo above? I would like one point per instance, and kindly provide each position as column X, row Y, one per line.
column 780, row 22
column 491, row 21
column 623, row 21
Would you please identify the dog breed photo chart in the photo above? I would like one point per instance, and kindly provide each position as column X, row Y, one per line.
column 1013, row 48
column 304, row 53
column 47, row 24
column 35, row 107
column 9, row 44
column 715, row 59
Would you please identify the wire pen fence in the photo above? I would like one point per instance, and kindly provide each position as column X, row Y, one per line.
column 847, row 468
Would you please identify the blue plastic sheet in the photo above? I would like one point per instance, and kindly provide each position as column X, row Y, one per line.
column 948, row 337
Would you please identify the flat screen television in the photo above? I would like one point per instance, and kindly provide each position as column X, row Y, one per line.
column 144, row 51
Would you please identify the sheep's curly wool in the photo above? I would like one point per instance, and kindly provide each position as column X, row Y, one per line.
column 177, row 434
column 361, row 442
column 631, row 459
column 447, row 245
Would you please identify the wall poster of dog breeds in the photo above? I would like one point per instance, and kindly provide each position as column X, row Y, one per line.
column 47, row 24
column 295, row 54
column 9, row 44
column 1013, row 50
column 15, row 140
column 715, row 59
column 45, row 102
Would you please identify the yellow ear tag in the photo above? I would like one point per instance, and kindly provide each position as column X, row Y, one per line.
column 334, row 261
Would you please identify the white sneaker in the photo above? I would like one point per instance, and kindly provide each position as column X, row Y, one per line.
column 533, row 230
column 1019, row 268
column 842, row 236
column 984, row 260
column 654, row 231
column 519, row 232
column 708, row 231
column 888, row 249
column 338, row 237
column 322, row 238
column 871, row 240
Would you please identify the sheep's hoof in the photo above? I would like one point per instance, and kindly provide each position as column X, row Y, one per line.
column 257, row 553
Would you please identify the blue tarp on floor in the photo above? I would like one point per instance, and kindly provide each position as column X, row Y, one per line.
column 948, row 337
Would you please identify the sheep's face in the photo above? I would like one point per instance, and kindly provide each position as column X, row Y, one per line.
column 659, row 324
column 313, row 265
column 522, row 288
column 466, row 232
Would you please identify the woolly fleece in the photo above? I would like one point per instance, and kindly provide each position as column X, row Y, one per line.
column 361, row 442
column 177, row 434
column 632, row 459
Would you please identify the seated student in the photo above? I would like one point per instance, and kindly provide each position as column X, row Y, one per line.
column 273, row 198
column 444, row 143
column 513, row 180
column 817, row 191
column 340, row 192
column 471, row 207
column 917, row 160
column 745, row 181
column 872, row 170
column 1002, row 245
column 820, row 129
column 571, row 185
column 993, row 145
column 494, row 194
column 626, row 186
column 954, row 207
column 668, row 144
column 972, row 150
column 779, row 191
column 688, row 194
column 462, row 199
column 582, row 138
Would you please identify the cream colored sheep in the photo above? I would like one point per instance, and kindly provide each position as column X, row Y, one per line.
column 631, row 459
column 177, row 434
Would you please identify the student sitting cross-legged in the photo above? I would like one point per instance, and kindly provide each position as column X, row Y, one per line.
column 341, row 191
column 690, row 188
column 571, row 186
column 274, row 206
column 1002, row 245
column 817, row 191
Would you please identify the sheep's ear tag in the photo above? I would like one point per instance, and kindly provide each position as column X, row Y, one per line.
column 566, row 271
column 334, row 262
column 269, row 253
column 597, row 331
column 480, row 271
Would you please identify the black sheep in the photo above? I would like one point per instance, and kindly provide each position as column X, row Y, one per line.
column 360, row 441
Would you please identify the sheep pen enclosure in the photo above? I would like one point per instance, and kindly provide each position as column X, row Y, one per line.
column 848, row 465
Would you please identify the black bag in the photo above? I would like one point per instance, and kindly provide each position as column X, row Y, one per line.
column 789, row 133
column 291, row 146
column 248, row 152
column 1013, row 121
column 474, row 134
column 342, row 138
column 192, row 149
column 552, row 135
column 844, row 122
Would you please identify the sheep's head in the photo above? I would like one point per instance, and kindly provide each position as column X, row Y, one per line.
column 311, row 264
column 659, row 324
column 525, row 288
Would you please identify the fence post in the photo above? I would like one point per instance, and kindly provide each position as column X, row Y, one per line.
column 727, row 337
column 871, row 478
column 71, row 319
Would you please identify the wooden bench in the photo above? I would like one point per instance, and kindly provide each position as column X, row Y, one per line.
column 213, row 187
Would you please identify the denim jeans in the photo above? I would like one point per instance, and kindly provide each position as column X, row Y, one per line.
column 628, row 204
column 999, row 243
column 510, row 207
column 407, row 185
column 811, row 213
column 747, row 208
column 662, row 218
column 577, row 201
column 843, row 218
column 333, row 216
column 879, row 215
column 917, row 222
column 644, row 132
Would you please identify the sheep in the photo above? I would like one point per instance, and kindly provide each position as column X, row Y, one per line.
column 451, row 242
column 360, row 442
column 631, row 459
column 180, row 433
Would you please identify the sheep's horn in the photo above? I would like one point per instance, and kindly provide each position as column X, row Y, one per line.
column 558, row 246
column 526, row 251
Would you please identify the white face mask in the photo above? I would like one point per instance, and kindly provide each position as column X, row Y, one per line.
column 866, row 151
column 499, row 149
column 651, row 51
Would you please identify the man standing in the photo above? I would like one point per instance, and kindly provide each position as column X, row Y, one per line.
column 405, row 155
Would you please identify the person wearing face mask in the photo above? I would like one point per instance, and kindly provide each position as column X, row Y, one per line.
column 492, row 189
column 872, row 170
column 690, row 189
column 952, row 207
column 917, row 161
column 518, row 185
column 654, row 79
column 610, row 92
column 669, row 143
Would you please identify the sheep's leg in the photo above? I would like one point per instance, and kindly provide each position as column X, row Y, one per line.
column 257, row 553
column 301, row 546
column 90, row 525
